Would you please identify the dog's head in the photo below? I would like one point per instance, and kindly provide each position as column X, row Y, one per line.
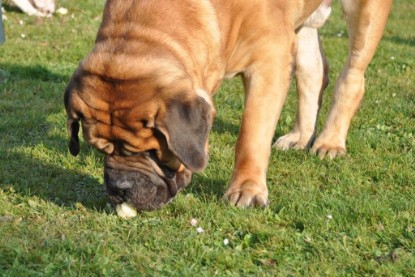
column 148, row 121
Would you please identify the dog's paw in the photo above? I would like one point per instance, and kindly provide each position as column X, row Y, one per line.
column 293, row 140
column 247, row 194
column 328, row 149
column 287, row 142
column 38, row 13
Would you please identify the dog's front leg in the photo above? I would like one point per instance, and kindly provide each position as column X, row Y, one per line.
column 266, row 84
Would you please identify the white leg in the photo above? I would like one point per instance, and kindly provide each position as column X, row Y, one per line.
column 311, row 70
column 27, row 7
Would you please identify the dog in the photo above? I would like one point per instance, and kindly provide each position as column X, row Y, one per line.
column 144, row 93
column 36, row 7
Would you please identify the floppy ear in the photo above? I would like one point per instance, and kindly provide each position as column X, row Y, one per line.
column 186, row 126
column 73, row 122
column 73, row 129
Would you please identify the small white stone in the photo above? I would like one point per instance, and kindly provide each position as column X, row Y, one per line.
column 200, row 230
column 23, row 35
column 225, row 242
column 126, row 211
column 21, row 22
column 329, row 217
column 193, row 222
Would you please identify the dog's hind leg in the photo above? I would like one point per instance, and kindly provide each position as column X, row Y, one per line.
column 366, row 20
column 311, row 71
column 27, row 7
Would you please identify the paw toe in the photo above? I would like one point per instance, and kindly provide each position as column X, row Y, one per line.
column 329, row 151
column 286, row 142
column 246, row 195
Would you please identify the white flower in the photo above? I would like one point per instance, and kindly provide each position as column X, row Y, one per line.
column 340, row 34
column 329, row 217
column 199, row 230
column 225, row 242
column 193, row 222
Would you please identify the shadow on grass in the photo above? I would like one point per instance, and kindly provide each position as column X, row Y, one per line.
column 32, row 177
column 30, row 95
column 209, row 187
column 221, row 126
column 400, row 40
column 10, row 8
column 35, row 73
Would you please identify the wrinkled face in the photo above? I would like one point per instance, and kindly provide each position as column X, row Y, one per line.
column 142, row 180
column 153, row 137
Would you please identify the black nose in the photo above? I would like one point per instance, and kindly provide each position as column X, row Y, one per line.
column 145, row 191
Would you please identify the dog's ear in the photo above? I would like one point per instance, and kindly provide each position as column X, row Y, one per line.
column 73, row 120
column 73, row 129
column 186, row 126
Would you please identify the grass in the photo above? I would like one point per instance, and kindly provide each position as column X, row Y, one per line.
column 351, row 216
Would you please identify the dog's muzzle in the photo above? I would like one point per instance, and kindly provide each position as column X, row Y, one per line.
column 142, row 182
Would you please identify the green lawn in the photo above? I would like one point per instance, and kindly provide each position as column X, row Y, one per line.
column 351, row 216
